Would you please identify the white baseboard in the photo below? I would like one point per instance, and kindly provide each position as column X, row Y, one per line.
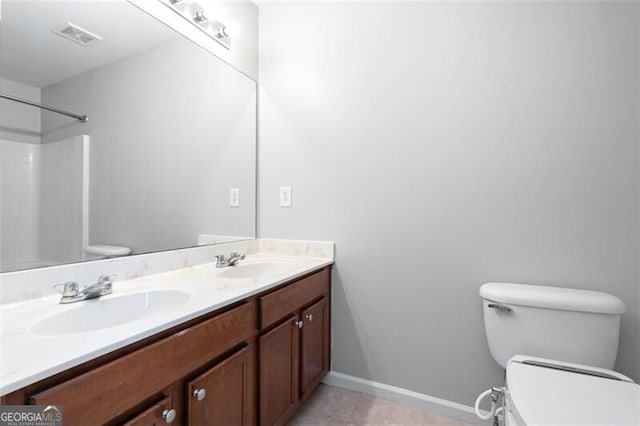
column 425, row 402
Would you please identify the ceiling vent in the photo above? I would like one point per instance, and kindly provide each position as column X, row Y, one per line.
column 79, row 35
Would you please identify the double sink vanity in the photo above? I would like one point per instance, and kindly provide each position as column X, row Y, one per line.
column 201, row 345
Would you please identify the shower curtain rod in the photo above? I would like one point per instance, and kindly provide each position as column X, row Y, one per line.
column 82, row 118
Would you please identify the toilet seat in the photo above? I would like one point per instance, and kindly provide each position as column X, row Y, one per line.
column 544, row 391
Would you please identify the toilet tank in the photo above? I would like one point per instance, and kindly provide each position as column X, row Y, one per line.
column 564, row 324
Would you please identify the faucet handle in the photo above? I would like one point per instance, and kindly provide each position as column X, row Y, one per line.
column 106, row 280
column 69, row 289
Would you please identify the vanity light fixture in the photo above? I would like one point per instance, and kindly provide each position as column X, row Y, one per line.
column 200, row 18
column 195, row 14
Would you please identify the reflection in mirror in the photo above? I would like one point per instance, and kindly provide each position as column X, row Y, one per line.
column 170, row 135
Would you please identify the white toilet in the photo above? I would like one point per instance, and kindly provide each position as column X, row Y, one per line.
column 558, row 346
column 104, row 251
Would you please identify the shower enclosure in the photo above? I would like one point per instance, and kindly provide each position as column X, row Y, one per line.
column 44, row 207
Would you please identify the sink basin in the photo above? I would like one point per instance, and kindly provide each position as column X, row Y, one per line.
column 110, row 311
column 256, row 269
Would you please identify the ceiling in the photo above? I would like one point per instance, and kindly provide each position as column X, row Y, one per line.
column 31, row 53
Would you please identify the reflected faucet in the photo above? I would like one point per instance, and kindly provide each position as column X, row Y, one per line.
column 234, row 257
column 71, row 292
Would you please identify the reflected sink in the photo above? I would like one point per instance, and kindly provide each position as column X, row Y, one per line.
column 110, row 311
column 256, row 269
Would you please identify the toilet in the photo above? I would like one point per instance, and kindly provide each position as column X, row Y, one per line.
column 104, row 251
column 557, row 346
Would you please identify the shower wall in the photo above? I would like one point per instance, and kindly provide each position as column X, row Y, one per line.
column 19, row 190
column 63, row 204
column 43, row 202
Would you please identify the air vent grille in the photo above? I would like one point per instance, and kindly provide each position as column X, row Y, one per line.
column 79, row 35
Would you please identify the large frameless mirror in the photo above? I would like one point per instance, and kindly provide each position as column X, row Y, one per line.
column 118, row 136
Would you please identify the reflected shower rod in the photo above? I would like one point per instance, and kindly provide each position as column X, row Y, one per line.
column 82, row 118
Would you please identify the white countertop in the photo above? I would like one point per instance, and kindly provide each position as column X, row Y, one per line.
column 27, row 357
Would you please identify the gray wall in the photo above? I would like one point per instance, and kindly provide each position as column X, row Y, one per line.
column 171, row 131
column 444, row 145
column 20, row 123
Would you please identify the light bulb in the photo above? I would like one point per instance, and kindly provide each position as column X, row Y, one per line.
column 223, row 32
column 230, row 30
column 200, row 17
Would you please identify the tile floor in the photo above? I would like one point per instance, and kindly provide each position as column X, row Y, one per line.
column 335, row 406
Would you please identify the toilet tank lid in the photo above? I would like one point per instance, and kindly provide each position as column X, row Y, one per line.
column 567, row 299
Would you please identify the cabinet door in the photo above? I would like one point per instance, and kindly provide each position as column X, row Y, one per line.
column 159, row 414
column 279, row 373
column 314, row 346
column 225, row 394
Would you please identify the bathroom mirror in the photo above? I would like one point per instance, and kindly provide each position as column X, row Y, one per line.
column 166, row 158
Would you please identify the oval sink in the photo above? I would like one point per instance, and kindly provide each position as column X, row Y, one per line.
column 256, row 269
column 107, row 312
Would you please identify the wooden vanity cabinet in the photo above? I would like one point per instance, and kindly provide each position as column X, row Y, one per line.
column 129, row 387
column 252, row 362
column 294, row 353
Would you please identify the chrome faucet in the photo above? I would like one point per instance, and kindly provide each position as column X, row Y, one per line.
column 71, row 292
column 223, row 262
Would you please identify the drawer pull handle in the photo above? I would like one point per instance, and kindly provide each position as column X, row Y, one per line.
column 309, row 317
column 169, row 415
column 298, row 324
column 199, row 394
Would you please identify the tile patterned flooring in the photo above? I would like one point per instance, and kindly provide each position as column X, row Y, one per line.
column 330, row 405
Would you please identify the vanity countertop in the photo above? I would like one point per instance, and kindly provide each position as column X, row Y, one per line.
column 28, row 355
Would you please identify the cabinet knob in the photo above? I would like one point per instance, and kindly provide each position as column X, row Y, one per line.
column 169, row 415
column 199, row 394
column 309, row 317
column 298, row 324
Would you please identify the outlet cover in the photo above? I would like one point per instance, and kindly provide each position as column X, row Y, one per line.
column 285, row 196
column 234, row 197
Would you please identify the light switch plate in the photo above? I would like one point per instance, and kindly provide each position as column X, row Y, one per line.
column 234, row 197
column 285, row 196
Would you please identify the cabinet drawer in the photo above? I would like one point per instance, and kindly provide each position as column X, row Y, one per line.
column 275, row 306
column 155, row 415
column 111, row 389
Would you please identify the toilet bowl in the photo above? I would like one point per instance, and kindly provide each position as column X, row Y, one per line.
column 557, row 346
column 548, row 392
